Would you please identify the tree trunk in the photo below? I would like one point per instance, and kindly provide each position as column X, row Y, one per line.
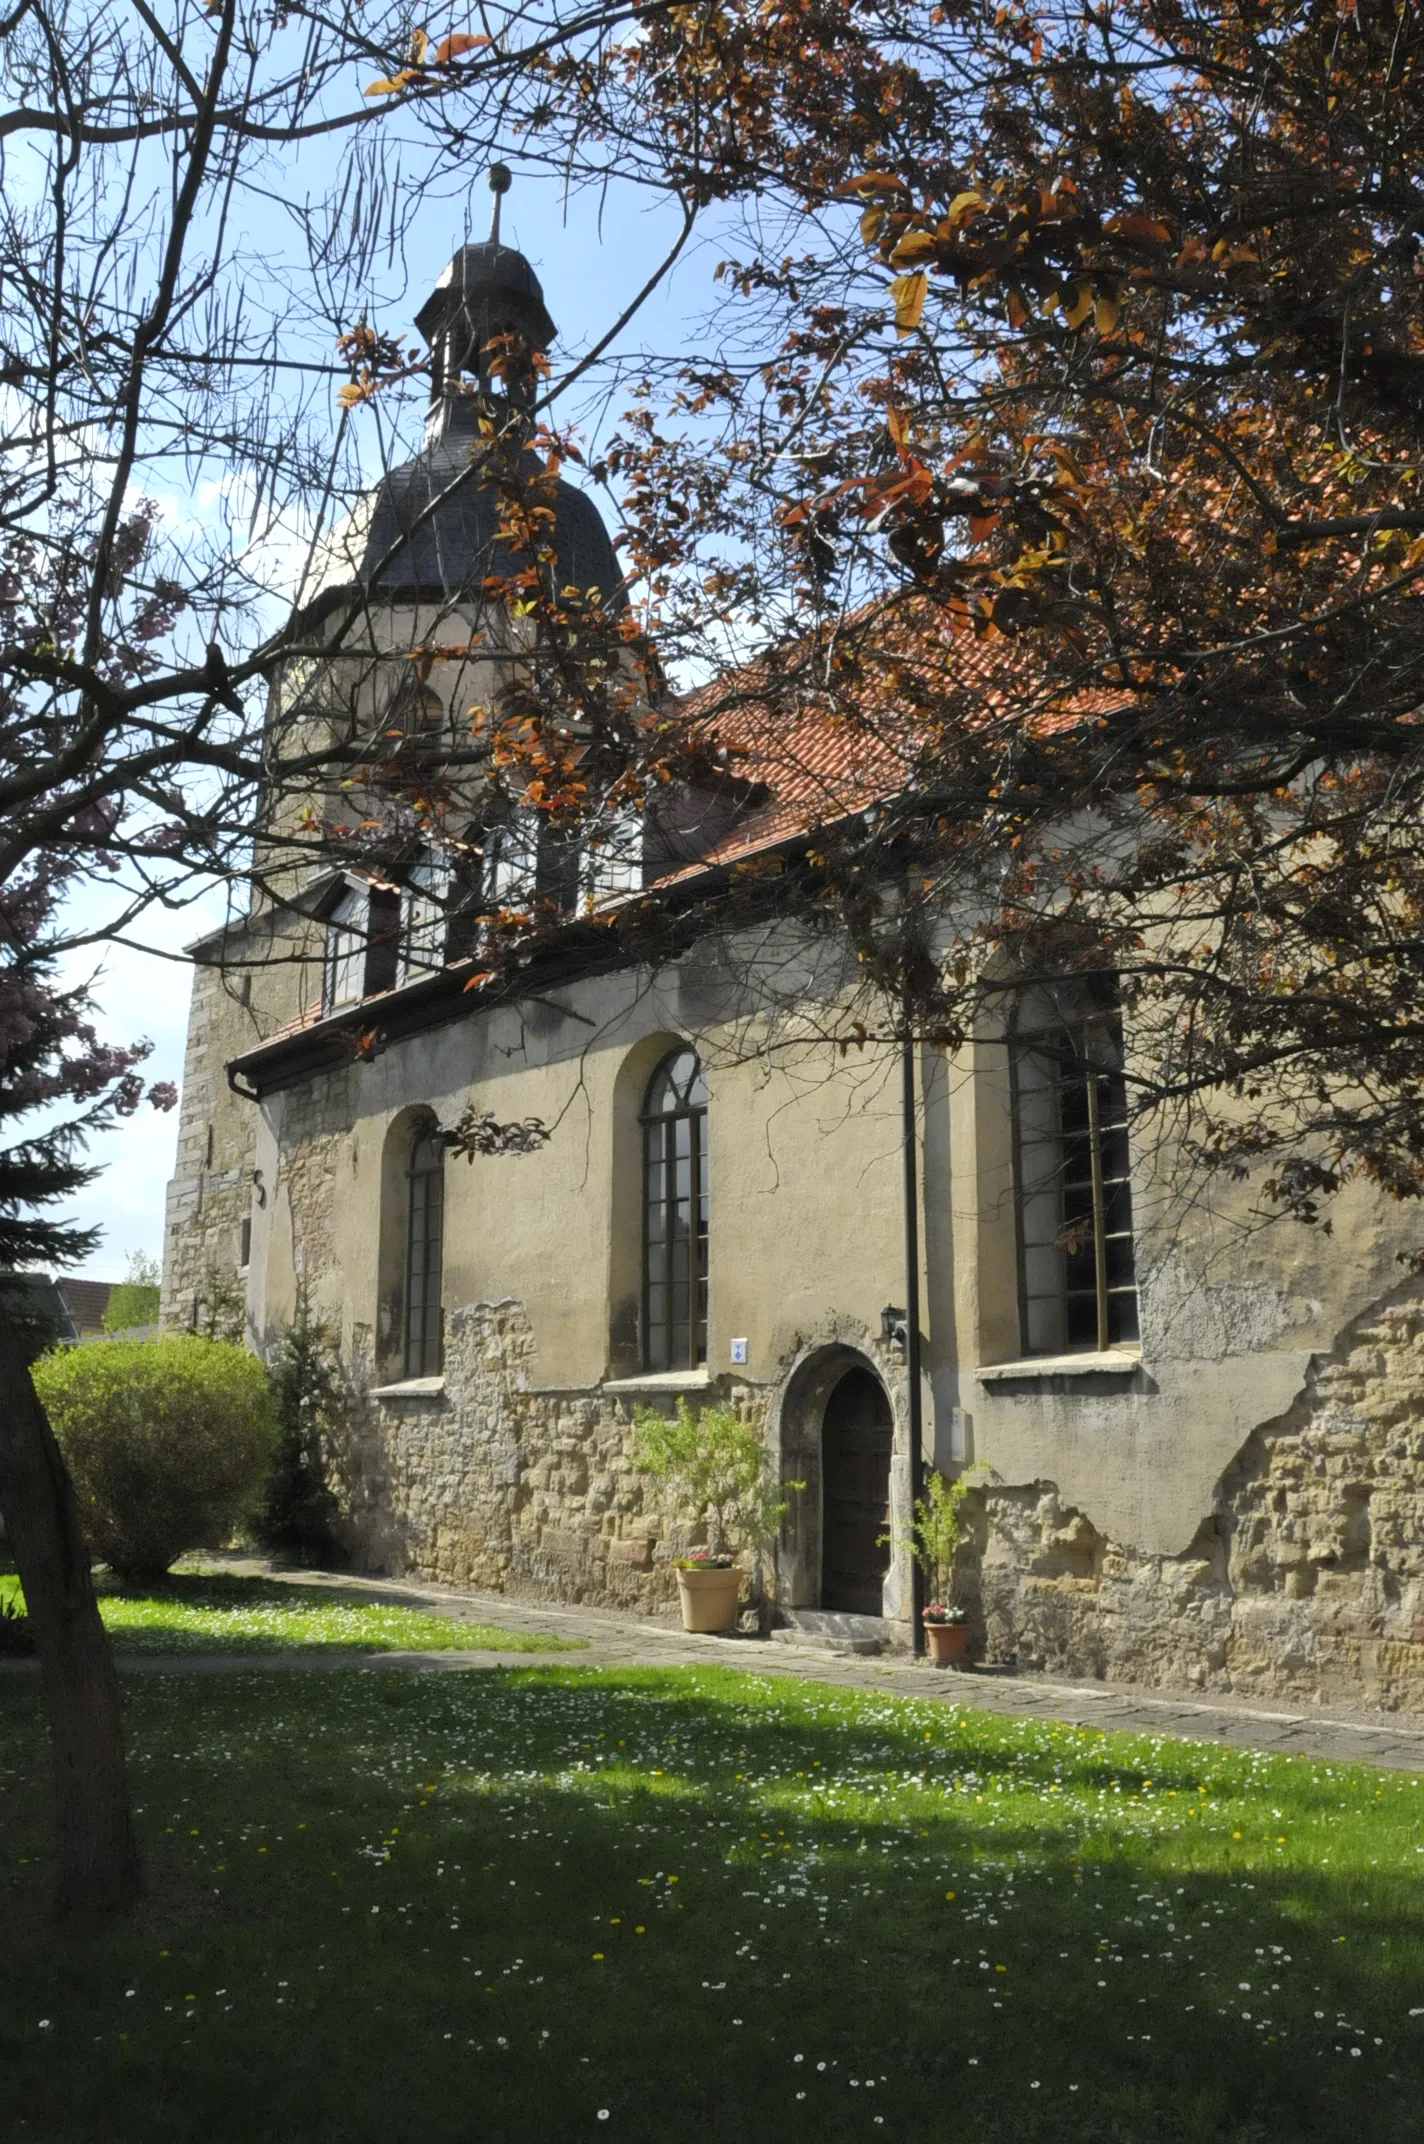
column 98, row 1854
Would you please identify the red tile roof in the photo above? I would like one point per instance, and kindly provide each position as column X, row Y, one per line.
column 822, row 754
column 85, row 1300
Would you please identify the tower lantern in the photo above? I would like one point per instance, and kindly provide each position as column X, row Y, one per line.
column 487, row 293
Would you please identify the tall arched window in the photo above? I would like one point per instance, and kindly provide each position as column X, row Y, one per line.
column 1077, row 1283
column 425, row 1222
column 675, row 1215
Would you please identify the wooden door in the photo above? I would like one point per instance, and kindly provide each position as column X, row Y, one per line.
column 856, row 1442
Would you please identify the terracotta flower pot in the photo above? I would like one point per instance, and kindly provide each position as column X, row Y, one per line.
column 945, row 1643
column 709, row 1598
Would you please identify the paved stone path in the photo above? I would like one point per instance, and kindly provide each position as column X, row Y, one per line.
column 615, row 1641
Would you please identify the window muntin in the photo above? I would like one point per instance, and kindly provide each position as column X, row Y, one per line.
column 528, row 859
column 361, row 950
column 1077, row 1275
column 425, row 1226
column 344, row 967
column 424, row 913
column 611, row 859
column 675, row 1215
column 512, row 858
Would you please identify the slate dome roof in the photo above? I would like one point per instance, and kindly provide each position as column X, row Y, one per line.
column 448, row 553
column 395, row 546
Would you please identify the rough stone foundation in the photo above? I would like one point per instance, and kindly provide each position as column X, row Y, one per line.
column 495, row 1482
column 1306, row 1580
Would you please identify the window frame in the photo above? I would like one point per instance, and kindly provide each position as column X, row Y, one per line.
column 344, row 947
column 424, row 917
column 658, row 1129
column 361, row 943
column 423, row 1348
column 1065, row 1041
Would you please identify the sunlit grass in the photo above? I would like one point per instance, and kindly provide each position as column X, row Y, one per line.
column 547, row 1903
column 207, row 1612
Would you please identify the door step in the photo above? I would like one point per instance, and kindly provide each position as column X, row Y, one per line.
column 831, row 1630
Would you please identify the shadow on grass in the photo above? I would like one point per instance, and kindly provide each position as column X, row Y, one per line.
column 492, row 1905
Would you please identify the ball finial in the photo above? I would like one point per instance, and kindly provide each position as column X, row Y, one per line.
column 501, row 178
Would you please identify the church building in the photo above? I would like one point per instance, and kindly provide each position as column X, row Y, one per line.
column 1199, row 1447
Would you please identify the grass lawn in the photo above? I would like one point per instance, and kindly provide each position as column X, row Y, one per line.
column 205, row 1612
column 551, row 1903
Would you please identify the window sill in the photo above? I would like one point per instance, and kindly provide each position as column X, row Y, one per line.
column 1115, row 1362
column 659, row 1381
column 410, row 1388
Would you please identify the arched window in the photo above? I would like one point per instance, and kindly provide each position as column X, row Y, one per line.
column 425, row 1222
column 410, row 742
column 1077, row 1281
column 675, row 1215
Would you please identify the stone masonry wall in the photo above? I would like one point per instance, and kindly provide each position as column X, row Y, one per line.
column 210, row 1192
column 1305, row 1581
column 496, row 1483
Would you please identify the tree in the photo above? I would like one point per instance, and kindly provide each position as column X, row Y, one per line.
column 135, row 1300
column 712, row 1468
column 310, row 1403
column 1058, row 446
column 160, row 325
column 50, row 1056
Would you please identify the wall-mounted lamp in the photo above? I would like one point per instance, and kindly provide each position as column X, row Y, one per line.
column 894, row 1326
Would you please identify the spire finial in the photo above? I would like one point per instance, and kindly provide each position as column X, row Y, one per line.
column 501, row 178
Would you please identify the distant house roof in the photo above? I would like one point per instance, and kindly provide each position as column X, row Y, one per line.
column 85, row 1300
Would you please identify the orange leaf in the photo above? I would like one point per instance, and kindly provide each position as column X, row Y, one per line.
column 980, row 526
column 1018, row 307
column 962, row 207
column 913, row 247
column 1077, row 304
column 450, row 48
column 419, row 45
column 897, row 424
column 1141, row 230
column 869, row 182
column 393, row 85
column 1105, row 315
column 908, row 292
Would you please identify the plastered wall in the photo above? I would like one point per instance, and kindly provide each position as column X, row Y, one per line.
column 1236, row 1506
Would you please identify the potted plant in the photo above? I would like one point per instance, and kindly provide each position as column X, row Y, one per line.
column 708, row 1589
column 934, row 1537
column 946, row 1632
column 711, row 1468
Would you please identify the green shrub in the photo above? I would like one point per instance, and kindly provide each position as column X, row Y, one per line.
column 309, row 1402
column 712, row 1469
column 168, row 1442
column 939, row 1526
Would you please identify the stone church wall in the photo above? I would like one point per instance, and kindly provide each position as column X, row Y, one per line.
column 495, row 1482
column 210, row 1194
column 1305, row 1581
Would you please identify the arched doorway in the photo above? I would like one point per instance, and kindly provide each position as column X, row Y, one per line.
column 857, row 1435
